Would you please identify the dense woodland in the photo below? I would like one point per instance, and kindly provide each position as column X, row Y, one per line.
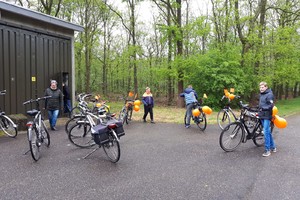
column 229, row 44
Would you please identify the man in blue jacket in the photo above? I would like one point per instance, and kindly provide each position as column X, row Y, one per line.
column 266, row 103
column 190, row 97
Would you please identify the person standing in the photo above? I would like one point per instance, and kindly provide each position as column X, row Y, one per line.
column 148, row 104
column 266, row 103
column 67, row 99
column 190, row 97
column 53, row 104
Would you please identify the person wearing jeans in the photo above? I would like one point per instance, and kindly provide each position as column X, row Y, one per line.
column 54, row 103
column 67, row 99
column 190, row 97
column 266, row 103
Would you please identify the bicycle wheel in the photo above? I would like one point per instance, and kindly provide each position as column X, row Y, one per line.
column 8, row 126
column 129, row 112
column 122, row 115
column 71, row 122
column 259, row 137
column 231, row 136
column 112, row 148
column 34, row 143
column 223, row 118
column 80, row 135
column 75, row 111
column 45, row 134
column 201, row 121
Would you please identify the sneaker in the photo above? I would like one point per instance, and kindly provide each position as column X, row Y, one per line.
column 152, row 122
column 266, row 153
column 144, row 121
column 53, row 128
column 187, row 126
column 274, row 150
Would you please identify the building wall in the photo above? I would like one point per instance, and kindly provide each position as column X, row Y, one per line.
column 29, row 59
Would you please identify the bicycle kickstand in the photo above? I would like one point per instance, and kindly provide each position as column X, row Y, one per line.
column 87, row 155
column 26, row 152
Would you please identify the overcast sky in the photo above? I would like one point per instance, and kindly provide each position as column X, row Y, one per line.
column 145, row 9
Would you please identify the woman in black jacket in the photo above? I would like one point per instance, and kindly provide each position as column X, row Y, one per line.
column 53, row 104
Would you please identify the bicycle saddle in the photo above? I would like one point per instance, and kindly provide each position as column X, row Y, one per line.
column 32, row 112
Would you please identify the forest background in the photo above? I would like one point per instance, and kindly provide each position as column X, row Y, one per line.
column 223, row 44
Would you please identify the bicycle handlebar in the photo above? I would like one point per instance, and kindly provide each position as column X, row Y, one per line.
column 36, row 100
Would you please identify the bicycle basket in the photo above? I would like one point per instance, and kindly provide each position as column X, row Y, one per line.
column 100, row 134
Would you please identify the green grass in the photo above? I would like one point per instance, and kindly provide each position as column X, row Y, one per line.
column 288, row 107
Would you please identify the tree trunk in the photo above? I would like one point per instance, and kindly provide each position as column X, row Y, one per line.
column 296, row 90
column 180, row 102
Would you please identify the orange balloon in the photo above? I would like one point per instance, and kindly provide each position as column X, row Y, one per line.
column 225, row 91
column 231, row 96
column 207, row 110
column 280, row 122
column 136, row 108
column 274, row 111
column 137, row 103
column 130, row 94
column 196, row 112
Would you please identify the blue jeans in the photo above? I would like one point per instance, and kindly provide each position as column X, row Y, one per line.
column 189, row 108
column 52, row 115
column 269, row 142
column 67, row 106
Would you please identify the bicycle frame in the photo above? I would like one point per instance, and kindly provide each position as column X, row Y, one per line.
column 35, row 124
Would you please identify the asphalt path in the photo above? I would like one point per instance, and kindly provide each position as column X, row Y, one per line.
column 158, row 161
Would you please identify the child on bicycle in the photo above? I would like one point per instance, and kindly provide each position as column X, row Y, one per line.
column 190, row 97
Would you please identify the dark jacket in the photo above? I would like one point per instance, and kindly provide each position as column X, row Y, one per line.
column 266, row 103
column 66, row 93
column 55, row 102
column 190, row 96
column 148, row 99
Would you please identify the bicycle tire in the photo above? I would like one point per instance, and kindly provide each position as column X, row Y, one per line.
column 122, row 115
column 45, row 134
column 80, row 135
column 231, row 136
column 259, row 138
column 112, row 148
column 8, row 126
column 33, row 143
column 130, row 110
column 71, row 122
column 223, row 118
column 201, row 121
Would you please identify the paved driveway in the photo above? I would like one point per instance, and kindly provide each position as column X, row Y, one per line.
column 158, row 161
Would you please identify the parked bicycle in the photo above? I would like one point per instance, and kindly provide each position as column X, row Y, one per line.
column 199, row 120
column 37, row 132
column 6, row 124
column 100, row 112
column 226, row 115
column 126, row 112
column 86, row 133
column 240, row 131
column 83, row 103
